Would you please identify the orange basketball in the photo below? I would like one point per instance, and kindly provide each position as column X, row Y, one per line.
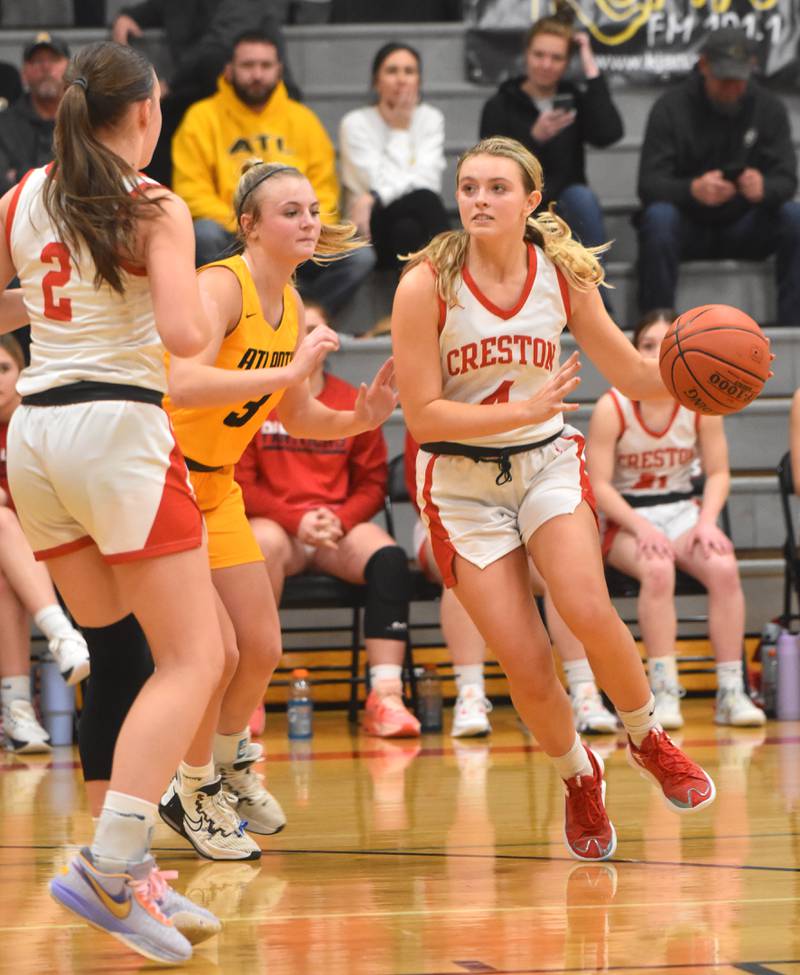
column 714, row 359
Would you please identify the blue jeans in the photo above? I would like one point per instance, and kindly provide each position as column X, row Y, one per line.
column 668, row 236
column 579, row 206
column 211, row 241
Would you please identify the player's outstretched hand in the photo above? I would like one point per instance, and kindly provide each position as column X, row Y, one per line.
column 312, row 350
column 550, row 399
column 374, row 403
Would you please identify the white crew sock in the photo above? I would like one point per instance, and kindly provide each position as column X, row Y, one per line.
column 730, row 676
column 663, row 672
column 468, row 674
column 385, row 674
column 640, row 723
column 574, row 762
column 578, row 672
column 231, row 748
column 192, row 777
column 14, row 689
column 123, row 833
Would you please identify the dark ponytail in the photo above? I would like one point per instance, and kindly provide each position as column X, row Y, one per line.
column 88, row 190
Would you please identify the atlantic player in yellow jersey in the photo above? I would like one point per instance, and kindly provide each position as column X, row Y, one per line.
column 258, row 361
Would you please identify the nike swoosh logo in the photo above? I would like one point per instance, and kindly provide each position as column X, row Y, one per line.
column 119, row 910
column 250, row 314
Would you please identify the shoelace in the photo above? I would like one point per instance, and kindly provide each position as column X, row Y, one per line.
column 223, row 803
column 668, row 757
column 246, row 783
column 151, row 890
column 591, row 811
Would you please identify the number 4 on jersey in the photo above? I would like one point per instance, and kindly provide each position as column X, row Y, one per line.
column 500, row 395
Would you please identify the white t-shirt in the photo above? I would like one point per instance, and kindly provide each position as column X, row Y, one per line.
column 391, row 162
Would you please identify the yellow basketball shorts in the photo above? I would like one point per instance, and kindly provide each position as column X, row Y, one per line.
column 230, row 537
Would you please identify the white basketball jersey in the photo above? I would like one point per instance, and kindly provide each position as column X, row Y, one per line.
column 647, row 461
column 496, row 355
column 78, row 331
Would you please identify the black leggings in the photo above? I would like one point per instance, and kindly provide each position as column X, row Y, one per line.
column 121, row 663
column 406, row 225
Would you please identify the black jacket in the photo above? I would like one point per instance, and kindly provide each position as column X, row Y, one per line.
column 26, row 141
column 200, row 36
column 511, row 112
column 685, row 137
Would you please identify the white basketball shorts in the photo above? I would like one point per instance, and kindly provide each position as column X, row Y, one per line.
column 674, row 519
column 108, row 472
column 468, row 514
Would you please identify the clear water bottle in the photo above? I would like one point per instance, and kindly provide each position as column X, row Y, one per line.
column 57, row 702
column 429, row 699
column 788, row 696
column 768, row 651
column 300, row 708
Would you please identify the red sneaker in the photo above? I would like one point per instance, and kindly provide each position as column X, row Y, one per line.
column 685, row 785
column 385, row 715
column 588, row 832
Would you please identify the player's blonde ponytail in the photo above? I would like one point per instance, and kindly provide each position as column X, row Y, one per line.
column 447, row 252
column 336, row 240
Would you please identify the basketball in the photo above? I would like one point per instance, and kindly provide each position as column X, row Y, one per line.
column 714, row 359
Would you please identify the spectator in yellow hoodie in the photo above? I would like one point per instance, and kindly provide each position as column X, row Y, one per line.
column 252, row 115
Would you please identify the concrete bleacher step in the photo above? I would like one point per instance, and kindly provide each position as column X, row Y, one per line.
column 358, row 360
column 748, row 285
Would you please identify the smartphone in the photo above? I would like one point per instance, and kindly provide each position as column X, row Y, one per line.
column 565, row 102
column 732, row 173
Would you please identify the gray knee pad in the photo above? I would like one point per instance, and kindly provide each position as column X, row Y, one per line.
column 388, row 594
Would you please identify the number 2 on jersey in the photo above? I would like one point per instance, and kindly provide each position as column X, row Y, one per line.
column 56, row 253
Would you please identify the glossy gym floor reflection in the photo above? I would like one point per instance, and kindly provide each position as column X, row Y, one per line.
column 437, row 856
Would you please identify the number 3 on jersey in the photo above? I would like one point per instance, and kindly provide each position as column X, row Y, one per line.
column 56, row 253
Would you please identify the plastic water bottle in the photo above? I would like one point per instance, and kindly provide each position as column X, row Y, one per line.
column 429, row 699
column 768, row 652
column 300, row 707
column 57, row 702
column 788, row 696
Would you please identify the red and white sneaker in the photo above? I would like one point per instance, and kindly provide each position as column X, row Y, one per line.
column 685, row 785
column 588, row 832
column 385, row 715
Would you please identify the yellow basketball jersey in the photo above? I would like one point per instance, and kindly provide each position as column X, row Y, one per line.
column 216, row 436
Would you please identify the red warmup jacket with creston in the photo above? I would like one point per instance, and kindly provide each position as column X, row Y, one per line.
column 283, row 477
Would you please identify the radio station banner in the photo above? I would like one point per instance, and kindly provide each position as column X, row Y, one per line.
column 643, row 40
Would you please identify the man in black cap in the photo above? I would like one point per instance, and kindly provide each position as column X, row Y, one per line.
column 26, row 127
column 717, row 177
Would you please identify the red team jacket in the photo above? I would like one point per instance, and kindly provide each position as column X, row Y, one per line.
column 283, row 477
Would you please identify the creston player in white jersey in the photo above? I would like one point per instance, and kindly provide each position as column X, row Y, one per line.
column 653, row 469
column 91, row 456
column 80, row 332
column 647, row 462
column 496, row 355
column 484, row 497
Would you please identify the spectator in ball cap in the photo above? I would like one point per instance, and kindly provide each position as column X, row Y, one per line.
column 44, row 39
column 717, row 177
column 729, row 54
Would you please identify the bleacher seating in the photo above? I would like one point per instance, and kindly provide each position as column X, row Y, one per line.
column 331, row 64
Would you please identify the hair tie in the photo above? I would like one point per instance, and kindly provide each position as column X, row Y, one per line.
column 81, row 82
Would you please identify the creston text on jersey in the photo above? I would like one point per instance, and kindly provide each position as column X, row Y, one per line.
column 661, row 457
column 501, row 350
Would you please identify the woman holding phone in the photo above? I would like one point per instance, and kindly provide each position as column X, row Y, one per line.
column 555, row 119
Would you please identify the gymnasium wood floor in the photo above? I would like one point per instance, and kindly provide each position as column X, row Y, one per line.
column 438, row 857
